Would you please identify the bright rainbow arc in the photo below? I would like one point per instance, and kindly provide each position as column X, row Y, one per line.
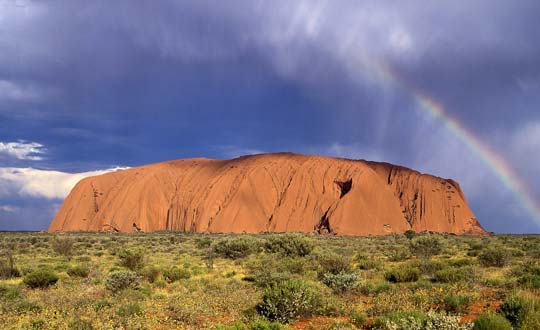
column 494, row 161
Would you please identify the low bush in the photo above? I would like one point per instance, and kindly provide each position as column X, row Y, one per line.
column 289, row 244
column 527, row 268
column 368, row 264
column 397, row 320
column 358, row 319
column 425, row 247
column 41, row 278
column 341, row 282
column 461, row 262
column 494, row 257
column 7, row 265
column 517, row 309
column 175, row 273
column 24, row 305
column 269, row 269
column 101, row 304
column 491, row 322
column 402, row 274
column 456, row 303
column 289, row 300
column 122, row 279
column 78, row 271
column 453, row 275
column 130, row 310
column 410, row 234
column 531, row 321
column 9, row 292
column 429, row 267
column 203, row 242
column 334, row 264
column 236, row 247
column 530, row 281
column 63, row 246
column 399, row 253
column 151, row 273
column 419, row 321
column 132, row 259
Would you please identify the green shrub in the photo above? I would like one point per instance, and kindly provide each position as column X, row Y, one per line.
column 130, row 310
column 101, row 304
column 174, row 274
column 289, row 244
column 429, row 267
column 531, row 321
column 491, row 322
column 461, row 262
column 83, row 259
column 203, row 242
column 334, row 264
column 27, row 306
column 453, row 275
column 398, row 254
column 426, row 247
column 456, row 303
column 181, row 314
column 78, row 271
column 516, row 309
column 527, row 268
column 41, row 278
column 410, row 234
column 9, row 292
column 289, row 300
column 151, row 273
column 392, row 321
column 368, row 264
column 160, row 284
column 494, row 257
column 237, row 247
column 7, row 265
column 358, row 320
column 122, row 279
column 269, row 269
column 530, row 281
column 133, row 259
column 402, row 274
column 63, row 246
column 419, row 321
column 341, row 282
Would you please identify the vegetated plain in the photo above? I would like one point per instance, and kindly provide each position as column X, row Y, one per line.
column 171, row 280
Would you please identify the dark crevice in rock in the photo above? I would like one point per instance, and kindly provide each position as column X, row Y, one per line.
column 137, row 228
column 323, row 227
column 110, row 228
column 95, row 194
column 344, row 187
column 389, row 179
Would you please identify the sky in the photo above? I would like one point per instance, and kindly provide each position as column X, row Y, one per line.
column 450, row 88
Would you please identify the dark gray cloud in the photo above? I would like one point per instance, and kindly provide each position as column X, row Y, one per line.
column 107, row 83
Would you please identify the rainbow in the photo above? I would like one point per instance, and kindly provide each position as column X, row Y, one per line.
column 491, row 158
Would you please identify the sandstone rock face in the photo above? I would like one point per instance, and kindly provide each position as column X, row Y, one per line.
column 267, row 193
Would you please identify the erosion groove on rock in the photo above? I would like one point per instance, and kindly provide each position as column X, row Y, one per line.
column 267, row 193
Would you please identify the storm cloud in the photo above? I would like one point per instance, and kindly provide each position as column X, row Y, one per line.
column 103, row 83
